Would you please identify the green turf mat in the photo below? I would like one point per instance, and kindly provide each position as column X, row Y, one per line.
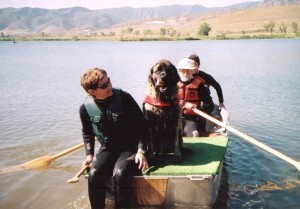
column 207, row 156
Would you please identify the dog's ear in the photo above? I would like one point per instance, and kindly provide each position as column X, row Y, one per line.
column 150, row 78
column 176, row 77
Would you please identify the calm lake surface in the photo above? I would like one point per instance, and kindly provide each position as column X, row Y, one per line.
column 41, row 94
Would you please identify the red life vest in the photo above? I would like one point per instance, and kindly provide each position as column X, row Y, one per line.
column 156, row 102
column 189, row 93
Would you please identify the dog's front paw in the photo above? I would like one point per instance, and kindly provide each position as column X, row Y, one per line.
column 151, row 158
column 185, row 150
column 177, row 157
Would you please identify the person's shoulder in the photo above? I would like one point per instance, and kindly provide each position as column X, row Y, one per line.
column 207, row 77
column 118, row 91
column 121, row 91
column 124, row 94
column 202, row 73
column 82, row 107
column 82, row 110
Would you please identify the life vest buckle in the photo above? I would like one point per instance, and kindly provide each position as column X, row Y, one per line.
column 96, row 119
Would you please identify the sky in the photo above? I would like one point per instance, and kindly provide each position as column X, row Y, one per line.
column 101, row 4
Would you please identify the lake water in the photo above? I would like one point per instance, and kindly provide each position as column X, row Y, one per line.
column 41, row 94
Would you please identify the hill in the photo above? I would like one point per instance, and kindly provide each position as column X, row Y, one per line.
column 232, row 24
column 131, row 23
column 73, row 20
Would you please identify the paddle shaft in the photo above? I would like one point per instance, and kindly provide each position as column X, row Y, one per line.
column 75, row 179
column 250, row 139
column 68, row 151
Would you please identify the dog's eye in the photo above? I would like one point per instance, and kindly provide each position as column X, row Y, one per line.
column 157, row 71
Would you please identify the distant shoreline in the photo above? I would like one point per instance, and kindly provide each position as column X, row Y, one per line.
column 145, row 38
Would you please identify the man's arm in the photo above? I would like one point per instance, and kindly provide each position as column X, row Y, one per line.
column 209, row 80
column 87, row 131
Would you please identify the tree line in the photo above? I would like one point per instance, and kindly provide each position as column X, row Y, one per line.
column 269, row 27
column 205, row 29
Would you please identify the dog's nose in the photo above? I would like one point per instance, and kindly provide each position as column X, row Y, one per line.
column 163, row 75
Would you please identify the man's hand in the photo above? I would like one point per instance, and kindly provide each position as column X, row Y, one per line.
column 88, row 160
column 189, row 106
column 221, row 105
column 142, row 161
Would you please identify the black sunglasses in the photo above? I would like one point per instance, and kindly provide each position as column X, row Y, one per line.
column 105, row 85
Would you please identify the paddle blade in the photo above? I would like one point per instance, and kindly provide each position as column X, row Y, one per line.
column 75, row 179
column 12, row 169
column 37, row 163
column 40, row 162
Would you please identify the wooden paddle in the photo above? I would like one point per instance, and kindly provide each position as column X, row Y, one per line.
column 75, row 178
column 249, row 139
column 39, row 162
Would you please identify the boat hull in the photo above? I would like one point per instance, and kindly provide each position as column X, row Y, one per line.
column 194, row 182
column 199, row 190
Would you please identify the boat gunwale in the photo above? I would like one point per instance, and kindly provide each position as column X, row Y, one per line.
column 202, row 177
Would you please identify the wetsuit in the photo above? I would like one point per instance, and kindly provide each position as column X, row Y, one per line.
column 125, row 131
column 192, row 122
column 210, row 81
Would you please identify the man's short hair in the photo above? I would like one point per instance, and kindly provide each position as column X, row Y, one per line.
column 90, row 79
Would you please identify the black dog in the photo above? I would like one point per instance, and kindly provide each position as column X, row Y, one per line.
column 161, row 109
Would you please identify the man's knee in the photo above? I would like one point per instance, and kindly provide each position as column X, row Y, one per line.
column 119, row 172
column 96, row 175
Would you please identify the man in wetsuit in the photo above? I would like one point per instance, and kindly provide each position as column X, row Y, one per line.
column 114, row 118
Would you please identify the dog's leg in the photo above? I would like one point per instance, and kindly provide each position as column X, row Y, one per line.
column 178, row 141
column 151, row 145
column 151, row 148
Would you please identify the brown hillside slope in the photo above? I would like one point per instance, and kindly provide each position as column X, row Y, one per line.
column 253, row 20
column 249, row 21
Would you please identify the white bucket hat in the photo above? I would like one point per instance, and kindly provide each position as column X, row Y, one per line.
column 186, row 64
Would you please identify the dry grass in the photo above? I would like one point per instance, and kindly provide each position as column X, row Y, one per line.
column 249, row 21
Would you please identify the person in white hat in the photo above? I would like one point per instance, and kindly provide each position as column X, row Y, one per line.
column 192, row 94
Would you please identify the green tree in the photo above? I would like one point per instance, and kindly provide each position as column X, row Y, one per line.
column 272, row 26
column 129, row 29
column 204, row 29
column 295, row 27
column 2, row 35
column 283, row 28
column 269, row 27
column 162, row 31
column 266, row 27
